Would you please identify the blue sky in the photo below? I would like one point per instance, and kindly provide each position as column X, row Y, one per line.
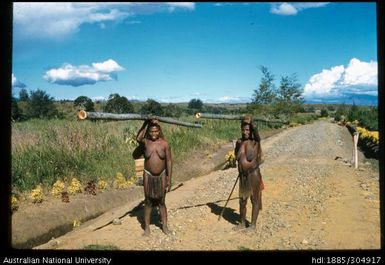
column 174, row 52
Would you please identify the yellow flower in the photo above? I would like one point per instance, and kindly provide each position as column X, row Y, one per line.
column 230, row 159
column 121, row 182
column 102, row 185
column 57, row 188
column 37, row 194
column 369, row 135
column 74, row 187
column 14, row 202
column 76, row 223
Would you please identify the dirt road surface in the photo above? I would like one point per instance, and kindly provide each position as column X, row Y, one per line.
column 313, row 199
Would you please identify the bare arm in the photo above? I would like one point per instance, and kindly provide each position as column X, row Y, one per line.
column 237, row 146
column 255, row 132
column 169, row 166
column 141, row 132
column 257, row 140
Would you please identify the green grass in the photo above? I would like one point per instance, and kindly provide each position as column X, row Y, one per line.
column 44, row 151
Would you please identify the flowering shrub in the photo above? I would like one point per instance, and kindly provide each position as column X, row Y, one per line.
column 102, row 185
column 368, row 135
column 76, row 223
column 37, row 194
column 74, row 187
column 121, row 182
column 57, row 188
column 230, row 159
column 14, row 202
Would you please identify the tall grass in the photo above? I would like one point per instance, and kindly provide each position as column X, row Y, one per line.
column 44, row 151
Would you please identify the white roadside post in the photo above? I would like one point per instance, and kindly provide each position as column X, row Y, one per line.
column 355, row 153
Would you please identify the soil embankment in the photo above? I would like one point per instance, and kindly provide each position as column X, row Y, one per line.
column 53, row 218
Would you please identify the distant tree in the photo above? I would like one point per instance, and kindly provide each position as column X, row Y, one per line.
column 23, row 95
column 341, row 112
column 331, row 108
column 366, row 116
column 41, row 105
column 118, row 104
column 152, row 107
column 324, row 113
column 289, row 99
column 195, row 104
column 172, row 110
column 311, row 109
column 16, row 113
column 265, row 93
column 353, row 113
column 84, row 103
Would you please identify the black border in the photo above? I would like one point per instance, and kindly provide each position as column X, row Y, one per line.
column 305, row 257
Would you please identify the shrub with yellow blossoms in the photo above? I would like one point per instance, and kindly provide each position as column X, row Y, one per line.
column 74, row 187
column 37, row 194
column 121, row 182
column 368, row 135
column 14, row 202
column 76, row 223
column 102, row 185
column 57, row 188
column 230, row 159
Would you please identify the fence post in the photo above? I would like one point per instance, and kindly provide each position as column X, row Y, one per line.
column 355, row 138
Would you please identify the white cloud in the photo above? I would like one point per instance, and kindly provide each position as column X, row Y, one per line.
column 133, row 22
column 283, row 9
column 325, row 81
column 228, row 99
column 83, row 74
column 58, row 20
column 17, row 83
column 357, row 79
column 288, row 9
column 99, row 98
column 223, row 4
column 185, row 5
column 107, row 66
column 360, row 73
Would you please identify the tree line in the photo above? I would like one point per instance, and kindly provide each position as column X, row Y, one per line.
column 268, row 100
column 38, row 104
column 284, row 100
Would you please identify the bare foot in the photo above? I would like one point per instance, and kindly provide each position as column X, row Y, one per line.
column 251, row 228
column 146, row 232
column 166, row 230
column 239, row 227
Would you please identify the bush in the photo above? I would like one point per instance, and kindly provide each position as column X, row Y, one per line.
column 152, row 107
column 84, row 103
column 41, row 105
column 118, row 104
column 196, row 104
column 324, row 113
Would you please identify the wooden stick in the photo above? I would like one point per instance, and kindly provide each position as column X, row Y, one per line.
column 132, row 116
column 233, row 117
column 224, row 207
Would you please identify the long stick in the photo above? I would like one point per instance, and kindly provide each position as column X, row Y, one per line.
column 233, row 117
column 131, row 116
column 224, row 207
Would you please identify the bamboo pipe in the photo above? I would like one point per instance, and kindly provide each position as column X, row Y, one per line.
column 82, row 115
column 233, row 117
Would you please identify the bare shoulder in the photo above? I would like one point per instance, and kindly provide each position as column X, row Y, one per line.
column 164, row 142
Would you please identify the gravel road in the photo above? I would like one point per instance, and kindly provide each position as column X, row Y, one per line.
column 313, row 199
